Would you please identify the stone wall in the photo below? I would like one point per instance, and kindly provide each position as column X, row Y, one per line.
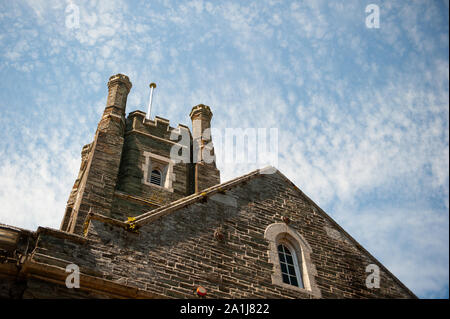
column 175, row 253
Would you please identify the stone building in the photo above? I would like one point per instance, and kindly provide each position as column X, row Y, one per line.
column 140, row 224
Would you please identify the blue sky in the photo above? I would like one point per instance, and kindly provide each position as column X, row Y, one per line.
column 362, row 113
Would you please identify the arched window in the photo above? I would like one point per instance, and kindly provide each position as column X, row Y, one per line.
column 290, row 271
column 155, row 177
column 290, row 254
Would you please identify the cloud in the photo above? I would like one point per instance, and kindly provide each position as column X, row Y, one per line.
column 35, row 183
column 362, row 114
column 411, row 242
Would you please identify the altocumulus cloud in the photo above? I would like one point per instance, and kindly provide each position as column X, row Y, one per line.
column 362, row 114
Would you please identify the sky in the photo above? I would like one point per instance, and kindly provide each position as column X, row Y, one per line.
column 361, row 110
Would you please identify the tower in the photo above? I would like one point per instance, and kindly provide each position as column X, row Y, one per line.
column 129, row 167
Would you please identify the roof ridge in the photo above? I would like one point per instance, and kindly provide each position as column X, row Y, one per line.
column 182, row 202
column 342, row 230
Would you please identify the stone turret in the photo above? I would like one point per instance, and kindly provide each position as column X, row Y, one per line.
column 96, row 182
column 114, row 114
column 206, row 173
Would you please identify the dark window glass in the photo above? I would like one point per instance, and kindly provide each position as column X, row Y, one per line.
column 291, row 270
column 287, row 266
column 289, row 259
column 293, row 280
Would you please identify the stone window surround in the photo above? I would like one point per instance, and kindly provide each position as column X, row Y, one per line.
column 164, row 164
column 281, row 233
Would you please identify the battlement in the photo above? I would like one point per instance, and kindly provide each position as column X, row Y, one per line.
column 159, row 127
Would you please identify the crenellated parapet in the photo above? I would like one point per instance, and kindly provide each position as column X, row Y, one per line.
column 159, row 127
